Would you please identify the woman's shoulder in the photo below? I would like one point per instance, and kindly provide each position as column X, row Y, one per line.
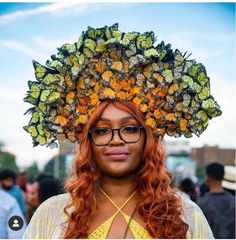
column 194, row 217
column 58, row 200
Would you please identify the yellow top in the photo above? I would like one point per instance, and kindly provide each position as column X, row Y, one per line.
column 138, row 231
column 46, row 221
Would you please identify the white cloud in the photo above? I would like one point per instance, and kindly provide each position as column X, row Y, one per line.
column 53, row 8
column 22, row 48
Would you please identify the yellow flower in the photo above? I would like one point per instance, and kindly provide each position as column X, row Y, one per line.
column 61, row 120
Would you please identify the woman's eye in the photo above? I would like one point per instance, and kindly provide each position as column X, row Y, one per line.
column 131, row 129
column 101, row 131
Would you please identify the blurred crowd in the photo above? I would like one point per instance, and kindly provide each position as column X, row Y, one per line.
column 215, row 196
column 21, row 198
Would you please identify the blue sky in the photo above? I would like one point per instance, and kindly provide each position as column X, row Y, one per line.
column 34, row 31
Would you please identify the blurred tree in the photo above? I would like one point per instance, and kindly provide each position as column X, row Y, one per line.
column 32, row 172
column 56, row 166
column 7, row 159
column 200, row 172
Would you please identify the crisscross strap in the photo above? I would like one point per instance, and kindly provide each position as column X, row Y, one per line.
column 137, row 230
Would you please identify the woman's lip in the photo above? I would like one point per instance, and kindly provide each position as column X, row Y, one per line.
column 117, row 156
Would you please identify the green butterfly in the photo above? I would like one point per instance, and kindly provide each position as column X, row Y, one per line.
column 203, row 79
column 111, row 29
column 30, row 99
column 68, row 48
column 131, row 50
column 88, row 52
column 36, row 117
column 186, row 99
column 80, row 41
column 202, row 115
column 145, row 41
column 35, row 89
column 101, row 46
column 54, row 96
column 188, row 80
column 167, row 74
column 40, row 70
column 31, row 130
column 193, row 70
column 152, row 52
column 56, row 64
column 90, row 44
column 44, row 95
column 129, row 37
column 95, row 33
column 205, row 93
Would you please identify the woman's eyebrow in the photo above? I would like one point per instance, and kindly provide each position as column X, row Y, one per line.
column 109, row 120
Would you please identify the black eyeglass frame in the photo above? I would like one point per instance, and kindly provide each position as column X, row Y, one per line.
column 115, row 129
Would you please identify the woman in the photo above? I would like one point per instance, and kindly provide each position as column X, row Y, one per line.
column 118, row 95
column 43, row 187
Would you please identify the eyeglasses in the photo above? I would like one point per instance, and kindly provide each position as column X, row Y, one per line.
column 128, row 134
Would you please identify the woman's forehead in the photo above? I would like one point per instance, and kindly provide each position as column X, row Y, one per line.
column 112, row 113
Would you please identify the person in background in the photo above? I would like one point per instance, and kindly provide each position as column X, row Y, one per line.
column 8, row 208
column 218, row 205
column 42, row 188
column 187, row 186
column 8, row 183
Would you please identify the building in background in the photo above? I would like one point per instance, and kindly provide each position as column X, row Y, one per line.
column 208, row 154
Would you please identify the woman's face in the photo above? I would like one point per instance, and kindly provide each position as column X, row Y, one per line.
column 33, row 197
column 118, row 159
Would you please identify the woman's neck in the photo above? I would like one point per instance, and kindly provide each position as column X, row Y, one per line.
column 117, row 188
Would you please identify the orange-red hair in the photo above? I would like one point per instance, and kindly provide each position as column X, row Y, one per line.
column 160, row 206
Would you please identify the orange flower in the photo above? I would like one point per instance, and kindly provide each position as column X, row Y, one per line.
column 84, row 100
column 163, row 92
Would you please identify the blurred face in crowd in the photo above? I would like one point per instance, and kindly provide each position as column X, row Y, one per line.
column 7, row 183
column 33, row 197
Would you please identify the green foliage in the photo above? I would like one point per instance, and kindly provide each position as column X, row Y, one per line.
column 8, row 160
column 200, row 171
column 56, row 167
column 32, row 172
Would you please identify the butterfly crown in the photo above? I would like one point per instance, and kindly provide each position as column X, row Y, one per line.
column 172, row 91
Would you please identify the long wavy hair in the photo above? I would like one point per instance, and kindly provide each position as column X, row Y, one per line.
column 160, row 206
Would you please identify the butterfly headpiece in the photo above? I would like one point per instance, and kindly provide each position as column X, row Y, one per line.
column 172, row 91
